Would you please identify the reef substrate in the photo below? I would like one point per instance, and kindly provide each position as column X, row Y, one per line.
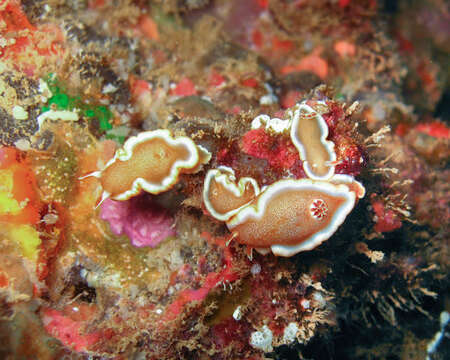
column 224, row 179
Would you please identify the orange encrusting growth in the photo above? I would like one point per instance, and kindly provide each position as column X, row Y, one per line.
column 23, row 204
column 151, row 161
column 27, row 47
column 88, row 160
column 286, row 217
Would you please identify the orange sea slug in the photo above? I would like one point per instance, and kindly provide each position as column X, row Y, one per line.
column 287, row 217
column 223, row 197
column 291, row 215
column 151, row 161
column 309, row 133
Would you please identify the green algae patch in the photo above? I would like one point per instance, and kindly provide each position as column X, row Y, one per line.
column 60, row 100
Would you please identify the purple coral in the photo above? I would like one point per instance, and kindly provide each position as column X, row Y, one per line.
column 144, row 221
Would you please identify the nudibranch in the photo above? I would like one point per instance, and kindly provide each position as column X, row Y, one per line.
column 292, row 215
column 288, row 216
column 151, row 161
column 309, row 133
column 224, row 198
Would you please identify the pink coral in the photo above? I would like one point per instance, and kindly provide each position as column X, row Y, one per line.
column 141, row 219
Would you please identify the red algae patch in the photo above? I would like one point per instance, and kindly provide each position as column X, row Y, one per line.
column 68, row 331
